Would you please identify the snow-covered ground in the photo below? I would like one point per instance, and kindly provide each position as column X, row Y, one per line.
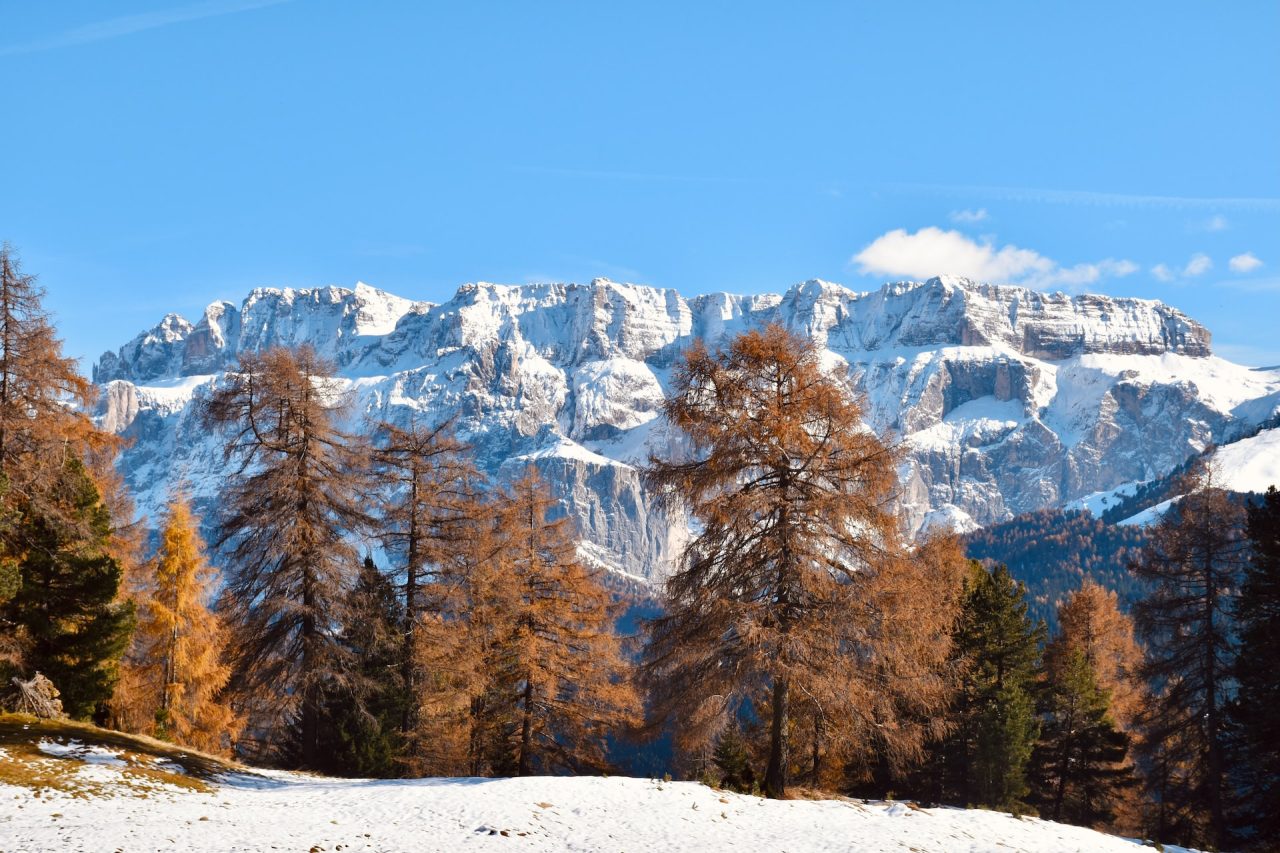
column 269, row 810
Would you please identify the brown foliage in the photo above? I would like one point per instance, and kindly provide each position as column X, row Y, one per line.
column 43, row 400
column 524, row 671
column 798, row 594
column 426, row 513
column 176, row 669
column 1091, row 622
column 43, row 397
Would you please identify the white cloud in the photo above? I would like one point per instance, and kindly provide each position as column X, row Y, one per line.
column 968, row 217
column 1248, row 262
column 1217, row 222
column 1199, row 264
column 932, row 251
column 1162, row 272
column 1081, row 274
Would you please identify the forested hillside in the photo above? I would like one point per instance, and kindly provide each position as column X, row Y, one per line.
column 1054, row 551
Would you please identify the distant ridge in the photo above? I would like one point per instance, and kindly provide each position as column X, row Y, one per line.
column 1007, row 399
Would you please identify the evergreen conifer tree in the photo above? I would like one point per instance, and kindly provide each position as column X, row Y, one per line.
column 734, row 761
column 1078, row 765
column 1256, row 712
column 1091, row 621
column 1193, row 563
column 361, row 722
column 996, row 728
column 43, row 425
column 1092, row 624
column 66, row 607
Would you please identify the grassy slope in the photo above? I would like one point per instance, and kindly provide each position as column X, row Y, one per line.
column 149, row 762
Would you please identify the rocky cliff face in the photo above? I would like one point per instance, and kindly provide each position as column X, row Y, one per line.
column 1008, row 399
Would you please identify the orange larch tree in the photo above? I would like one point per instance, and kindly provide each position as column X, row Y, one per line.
column 178, row 666
column 794, row 591
column 425, row 514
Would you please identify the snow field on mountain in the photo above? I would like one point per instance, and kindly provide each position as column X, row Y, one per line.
column 1007, row 400
column 1249, row 465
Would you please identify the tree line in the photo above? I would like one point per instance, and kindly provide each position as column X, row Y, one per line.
column 804, row 641
column 1053, row 551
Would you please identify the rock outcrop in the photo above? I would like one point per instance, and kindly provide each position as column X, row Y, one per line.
column 1008, row 399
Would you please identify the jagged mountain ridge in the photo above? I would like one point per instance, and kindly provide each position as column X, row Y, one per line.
column 1009, row 399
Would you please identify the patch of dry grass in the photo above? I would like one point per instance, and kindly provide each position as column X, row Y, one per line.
column 149, row 764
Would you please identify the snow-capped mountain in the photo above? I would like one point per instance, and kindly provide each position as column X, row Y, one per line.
column 1008, row 399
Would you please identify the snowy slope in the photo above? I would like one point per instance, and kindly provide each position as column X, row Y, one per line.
column 1251, row 464
column 269, row 810
column 1246, row 465
column 1007, row 399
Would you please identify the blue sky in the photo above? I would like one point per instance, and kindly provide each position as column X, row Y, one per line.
column 159, row 155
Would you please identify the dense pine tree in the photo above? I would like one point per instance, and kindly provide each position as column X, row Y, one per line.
column 1078, row 767
column 1092, row 624
column 733, row 761
column 177, row 668
column 361, row 722
column 1193, row 563
column 1091, row 621
column 792, row 590
column 66, row 607
column 984, row 760
column 43, row 425
column 289, row 511
column 1256, row 712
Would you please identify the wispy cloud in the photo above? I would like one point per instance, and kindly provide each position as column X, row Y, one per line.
column 129, row 24
column 932, row 251
column 1246, row 263
column 1089, row 197
column 968, row 217
column 1163, row 273
column 1215, row 223
column 1199, row 264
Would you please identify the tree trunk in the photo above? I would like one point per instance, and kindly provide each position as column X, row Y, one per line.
column 526, row 731
column 411, row 612
column 310, row 718
column 817, row 751
column 775, row 776
column 1217, row 818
